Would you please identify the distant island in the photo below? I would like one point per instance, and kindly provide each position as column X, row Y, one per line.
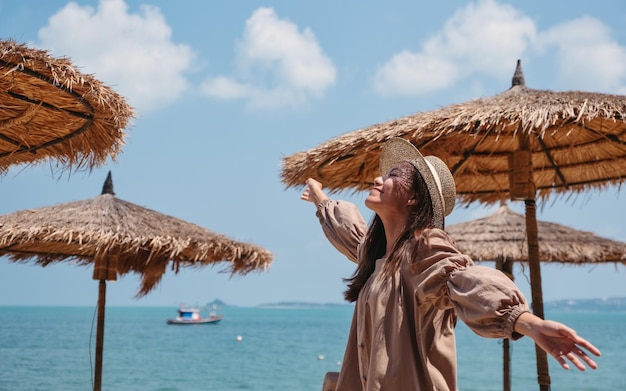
column 217, row 303
column 613, row 304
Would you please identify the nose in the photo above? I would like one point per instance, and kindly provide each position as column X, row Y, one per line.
column 378, row 181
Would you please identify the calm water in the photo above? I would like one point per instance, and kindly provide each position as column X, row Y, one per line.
column 52, row 348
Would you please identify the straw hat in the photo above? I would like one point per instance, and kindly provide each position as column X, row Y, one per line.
column 435, row 172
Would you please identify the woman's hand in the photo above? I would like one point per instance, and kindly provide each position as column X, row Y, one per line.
column 558, row 340
column 313, row 192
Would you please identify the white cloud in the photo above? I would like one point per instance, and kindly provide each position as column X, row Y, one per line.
column 484, row 37
column 277, row 65
column 226, row 89
column 409, row 73
column 131, row 53
column 587, row 57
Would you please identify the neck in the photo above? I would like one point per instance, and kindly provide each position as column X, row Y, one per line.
column 394, row 227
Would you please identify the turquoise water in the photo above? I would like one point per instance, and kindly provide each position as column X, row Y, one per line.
column 52, row 348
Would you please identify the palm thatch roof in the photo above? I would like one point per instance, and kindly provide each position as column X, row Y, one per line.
column 577, row 141
column 501, row 236
column 50, row 110
column 144, row 241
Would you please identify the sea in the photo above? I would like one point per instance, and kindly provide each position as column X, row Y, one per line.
column 256, row 348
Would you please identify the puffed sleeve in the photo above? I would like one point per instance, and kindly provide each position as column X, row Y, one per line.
column 343, row 226
column 485, row 299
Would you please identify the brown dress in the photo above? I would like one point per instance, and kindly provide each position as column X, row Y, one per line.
column 402, row 332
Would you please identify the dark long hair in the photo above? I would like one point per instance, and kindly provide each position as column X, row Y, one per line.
column 420, row 216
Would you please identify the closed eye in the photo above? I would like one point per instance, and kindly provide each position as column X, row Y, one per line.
column 394, row 172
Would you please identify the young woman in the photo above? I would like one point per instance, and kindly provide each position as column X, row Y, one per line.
column 411, row 282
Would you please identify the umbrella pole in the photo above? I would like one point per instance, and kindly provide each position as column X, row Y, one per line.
column 507, row 268
column 105, row 268
column 100, row 335
column 543, row 375
column 522, row 187
column 506, row 358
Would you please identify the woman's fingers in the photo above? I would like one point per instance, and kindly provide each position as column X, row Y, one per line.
column 588, row 346
column 574, row 356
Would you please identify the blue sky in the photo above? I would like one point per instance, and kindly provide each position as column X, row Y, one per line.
column 225, row 90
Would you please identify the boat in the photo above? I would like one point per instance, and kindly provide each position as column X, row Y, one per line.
column 192, row 315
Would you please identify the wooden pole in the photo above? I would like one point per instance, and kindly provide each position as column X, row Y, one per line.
column 97, row 386
column 522, row 187
column 543, row 375
column 506, row 359
column 507, row 268
column 105, row 269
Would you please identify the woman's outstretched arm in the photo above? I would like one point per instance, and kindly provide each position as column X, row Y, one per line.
column 558, row 340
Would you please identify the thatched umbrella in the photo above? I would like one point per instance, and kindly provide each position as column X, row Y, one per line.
column 48, row 109
column 576, row 142
column 501, row 237
column 119, row 237
column 518, row 145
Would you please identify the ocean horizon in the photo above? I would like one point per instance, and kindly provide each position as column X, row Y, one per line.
column 284, row 347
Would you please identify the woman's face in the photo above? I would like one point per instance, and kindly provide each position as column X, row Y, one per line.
column 391, row 193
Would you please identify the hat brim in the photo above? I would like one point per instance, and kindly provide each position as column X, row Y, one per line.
column 397, row 150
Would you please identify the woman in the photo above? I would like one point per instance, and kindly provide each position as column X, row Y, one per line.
column 411, row 282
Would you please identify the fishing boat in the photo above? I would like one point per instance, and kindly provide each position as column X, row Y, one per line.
column 192, row 315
